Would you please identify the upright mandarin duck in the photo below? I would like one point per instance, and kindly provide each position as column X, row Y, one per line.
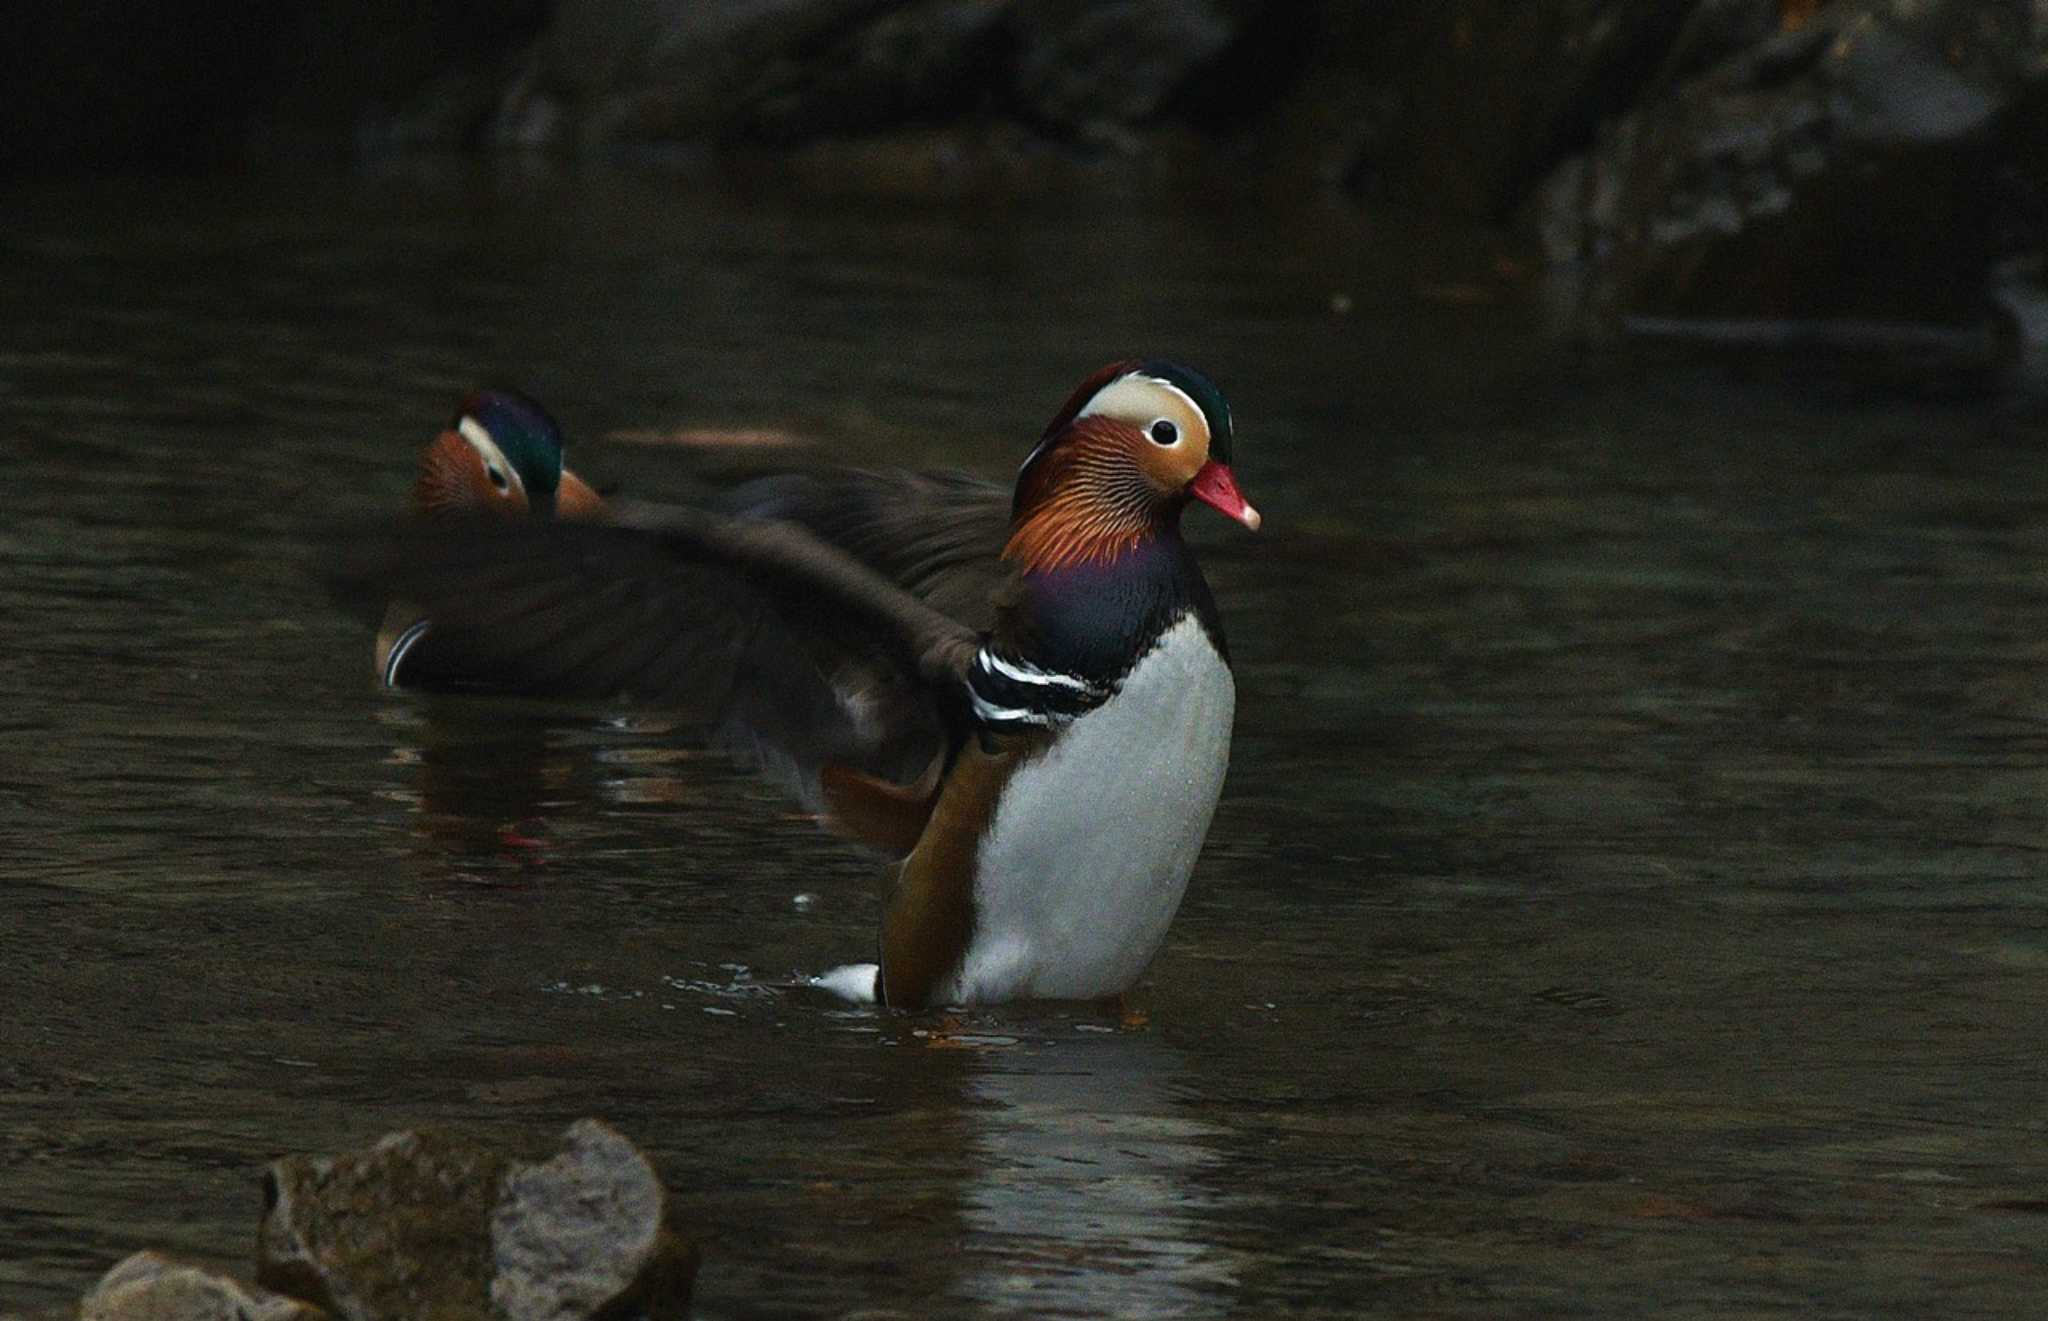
column 501, row 455
column 1023, row 696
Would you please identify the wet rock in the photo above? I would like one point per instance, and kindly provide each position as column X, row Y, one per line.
column 389, row 1232
column 920, row 62
column 633, row 70
column 787, row 71
column 431, row 1224
column 1467, row 104
column 1090, row 69
column 1842, row 168
column 388, row 76
column 152, row 1287
column 1714, row 30
column 2019, row 292
column 586, row 1234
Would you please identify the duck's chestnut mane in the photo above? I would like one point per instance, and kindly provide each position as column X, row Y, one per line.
column 1084, row 495
column 1084, row 500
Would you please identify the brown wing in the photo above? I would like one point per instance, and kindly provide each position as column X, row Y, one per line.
column 786, row 645
column 937, row 535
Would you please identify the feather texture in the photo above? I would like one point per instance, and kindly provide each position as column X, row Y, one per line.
column 1084, row 502
column 788, row 646
column 938, row 536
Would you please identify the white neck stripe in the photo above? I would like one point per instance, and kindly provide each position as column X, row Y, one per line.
column 1025, row 672
column 1010, row 715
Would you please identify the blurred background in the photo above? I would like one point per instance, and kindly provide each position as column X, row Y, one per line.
column 1626, row 898
column 1861, row 159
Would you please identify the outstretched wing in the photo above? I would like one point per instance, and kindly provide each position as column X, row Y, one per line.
column 783, row 643
column 937, row 535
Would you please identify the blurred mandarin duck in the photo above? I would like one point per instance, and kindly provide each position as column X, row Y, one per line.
column 1021, row 695
column 500, row 456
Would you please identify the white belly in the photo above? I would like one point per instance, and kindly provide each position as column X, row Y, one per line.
column 1089, row 852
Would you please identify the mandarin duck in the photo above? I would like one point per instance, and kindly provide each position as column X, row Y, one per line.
column 1021, row 695
column 501, row 455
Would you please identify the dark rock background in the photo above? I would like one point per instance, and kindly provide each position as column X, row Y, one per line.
column 1707, row 158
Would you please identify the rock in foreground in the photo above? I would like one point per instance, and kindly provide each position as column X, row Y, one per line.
column 428, row 1223
column 152, row 1287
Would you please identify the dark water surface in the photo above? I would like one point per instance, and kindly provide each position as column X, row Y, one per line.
column 1627, row 897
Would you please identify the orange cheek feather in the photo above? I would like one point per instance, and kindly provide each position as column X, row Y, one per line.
column 453, row 480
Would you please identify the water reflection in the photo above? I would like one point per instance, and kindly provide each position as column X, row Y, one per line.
column 1084, row 1184
column 1634, row 816
column 1090, row 1186
column 479, row 782
column 484, row 780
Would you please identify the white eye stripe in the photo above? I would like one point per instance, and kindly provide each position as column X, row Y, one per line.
column 1185, row 397
column 495, row 463
column 1127, row 393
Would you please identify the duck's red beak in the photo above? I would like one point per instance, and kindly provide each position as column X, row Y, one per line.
column 1216, row 488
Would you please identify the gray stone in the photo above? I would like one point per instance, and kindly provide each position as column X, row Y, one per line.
column 399, row 1230
column 1092, row 68
column 1841, row 169
column 635, row 70
column 1475, row 101
column 431, row 1224
column 152, row 1287
column 586, row 1233
column 920, row 62
column 786, row 71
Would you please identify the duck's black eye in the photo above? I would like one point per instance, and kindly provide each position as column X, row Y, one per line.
column 1164, row 432
column 497, row 477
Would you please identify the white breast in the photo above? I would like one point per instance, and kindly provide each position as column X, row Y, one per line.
column 1090, row 849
